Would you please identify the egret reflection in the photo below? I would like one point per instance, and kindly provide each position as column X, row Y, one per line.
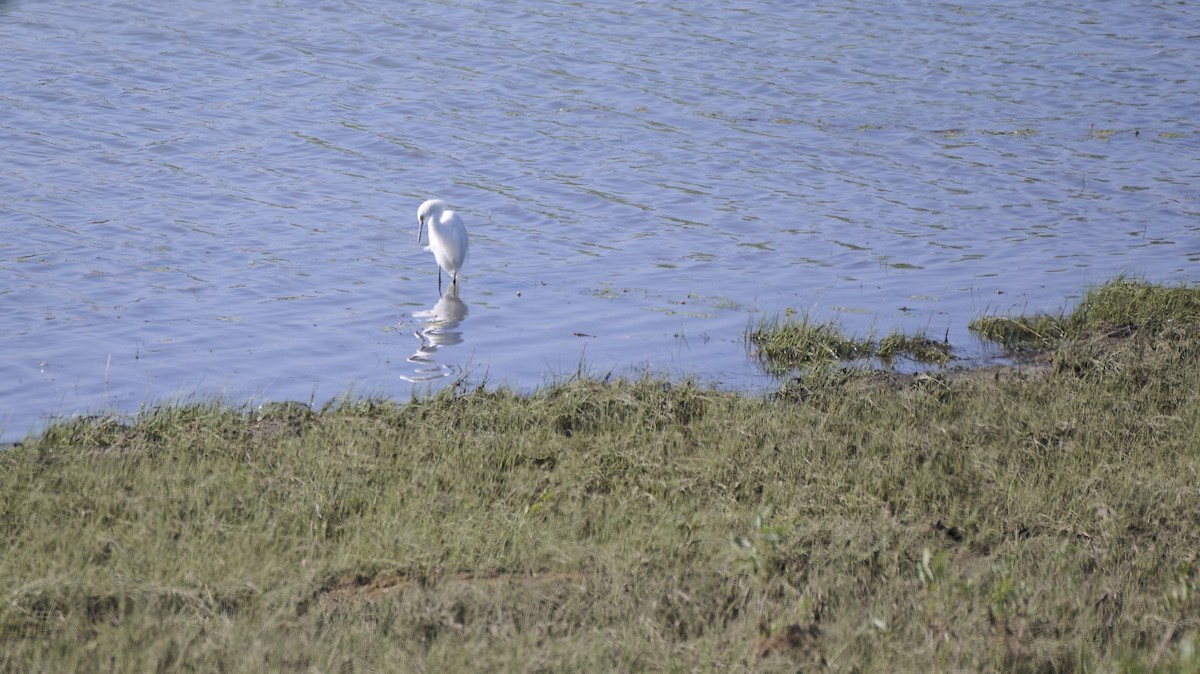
column 439, row 328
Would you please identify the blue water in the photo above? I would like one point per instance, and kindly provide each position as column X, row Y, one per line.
column 219, row 198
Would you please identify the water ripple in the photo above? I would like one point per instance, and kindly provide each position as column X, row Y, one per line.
column 218, row 198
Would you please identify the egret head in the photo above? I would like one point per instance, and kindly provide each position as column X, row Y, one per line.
column 430, row 209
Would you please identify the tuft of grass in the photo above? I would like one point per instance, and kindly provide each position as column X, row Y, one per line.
column 803, row 340
column 786, row 344
column 1120, row 305
column 1139, row 305
column 914, row 347
column 870, row 522
column 1023, row 332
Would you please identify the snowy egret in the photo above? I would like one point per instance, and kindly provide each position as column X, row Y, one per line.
column 447, row 238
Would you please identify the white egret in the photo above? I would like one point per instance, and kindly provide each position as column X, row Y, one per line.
column 447, row 238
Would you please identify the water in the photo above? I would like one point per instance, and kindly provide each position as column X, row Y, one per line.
column 220, row 198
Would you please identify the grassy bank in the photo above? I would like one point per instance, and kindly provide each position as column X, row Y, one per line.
column 1008, row 521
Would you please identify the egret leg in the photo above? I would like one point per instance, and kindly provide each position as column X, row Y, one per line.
column 439, row 280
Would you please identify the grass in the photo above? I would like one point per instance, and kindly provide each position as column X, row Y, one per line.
column 803, row 340
column 1118, row 306
column 787, row 344
column 1008, row 522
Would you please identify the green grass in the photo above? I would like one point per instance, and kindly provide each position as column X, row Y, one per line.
column 782, row 345
column 798, row 341
column 1007, row 521
column 1117, row 306
column 914, row 347
column 1023, row 332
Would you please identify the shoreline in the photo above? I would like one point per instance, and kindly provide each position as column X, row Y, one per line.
column 1039, row 518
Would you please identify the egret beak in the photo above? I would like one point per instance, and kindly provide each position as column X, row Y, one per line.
column 420, row 229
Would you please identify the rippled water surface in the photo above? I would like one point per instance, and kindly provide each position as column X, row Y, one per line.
column 203, row 198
